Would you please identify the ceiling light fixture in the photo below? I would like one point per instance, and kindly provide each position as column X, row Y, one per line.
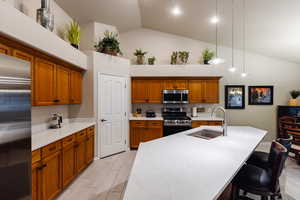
column 217, row 60
column 232, row 68
column 176, row 11
column 214, row 20
column 244, row 73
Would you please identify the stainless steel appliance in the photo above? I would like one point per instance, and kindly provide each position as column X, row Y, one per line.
column 175, row 96
column 175, row 121
column 55, row 121
column 15, row 129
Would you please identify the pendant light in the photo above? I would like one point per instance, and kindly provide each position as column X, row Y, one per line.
column 217, row 60
column 232, row 68
column 244, row 73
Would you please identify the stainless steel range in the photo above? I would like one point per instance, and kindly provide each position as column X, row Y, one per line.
column 175, row 121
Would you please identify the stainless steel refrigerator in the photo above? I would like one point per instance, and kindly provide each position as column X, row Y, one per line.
column 15, row 129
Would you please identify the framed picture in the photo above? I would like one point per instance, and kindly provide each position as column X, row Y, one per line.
column 261, row 95
column 235, row 97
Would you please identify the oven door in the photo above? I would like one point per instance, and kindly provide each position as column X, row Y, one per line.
column 175, row 96
column 171, row 130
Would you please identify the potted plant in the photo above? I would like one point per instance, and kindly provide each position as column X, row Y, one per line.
column 207, row 55
column 174, row 58
column 151, row 60
column 183, row 56
column 140, row 56
column 109, row 44
column 73, row 34
column 294, row 94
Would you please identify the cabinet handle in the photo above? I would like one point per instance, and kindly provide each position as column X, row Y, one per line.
column 76, row 145
column 69, row 140
column 56, row 100
column 42, row 167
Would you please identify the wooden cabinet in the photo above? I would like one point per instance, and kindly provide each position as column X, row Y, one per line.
column 56, row 165
column 68, row 160
column 5, row 49
column 90, row 145
column 147, row 91
column 76, row 87
column 144, row 131
column 51, row 175
column 62, row 85
column 196, row 124
column 45, row 82
column 204, row 91
column 80, row 151
column 175, row 84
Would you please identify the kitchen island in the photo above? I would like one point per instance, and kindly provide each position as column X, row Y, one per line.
column 182, row 167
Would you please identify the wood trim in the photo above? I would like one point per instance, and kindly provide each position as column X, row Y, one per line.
column 179, row 78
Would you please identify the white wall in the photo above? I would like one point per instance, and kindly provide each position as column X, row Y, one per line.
column 262, row 71
column 29, row 7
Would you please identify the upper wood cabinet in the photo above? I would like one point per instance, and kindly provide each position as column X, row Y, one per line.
column 201, row 89
column 175, row 84
column 76, row 88
column 44, row 82
column 63, row 77
column 147, row 91
column 5, row 49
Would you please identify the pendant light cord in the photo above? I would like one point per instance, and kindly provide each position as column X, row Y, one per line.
column 217, row 13
column 233, row 16
column 244, row 37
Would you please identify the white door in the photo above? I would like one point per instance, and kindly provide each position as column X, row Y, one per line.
column 111, row 114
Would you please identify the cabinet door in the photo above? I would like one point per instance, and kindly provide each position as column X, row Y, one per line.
column 80, row 156
column 196, row 91
column 90, row 146
column 139, row 91
column 5, row 49
column 27, row 57
column 152, row 134
column 175, row 84
column 52, row 176
column 36, row 181
column 68, row 163
column 211, row 91
column 136, row 136
column 154, row 91
column 196, row 124
column 76, row 88
column 62, row 85
column 44, row 82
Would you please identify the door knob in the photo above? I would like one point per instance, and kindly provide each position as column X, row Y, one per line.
column 103, row 120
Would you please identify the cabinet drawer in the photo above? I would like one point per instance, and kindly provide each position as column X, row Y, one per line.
column 69, row 140
column 140, row 124
column 80, row 136
column 215, row 123
column 36, row 156
column 154, row 124
column 91, row 130
column 51, row 148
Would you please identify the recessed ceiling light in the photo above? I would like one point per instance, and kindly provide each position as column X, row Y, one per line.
column 176, row 11
column 214, row 20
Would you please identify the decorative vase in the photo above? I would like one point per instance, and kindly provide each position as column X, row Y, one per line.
column 293, row 102
column 140, row 60
column 75, row 46
column 206, row 62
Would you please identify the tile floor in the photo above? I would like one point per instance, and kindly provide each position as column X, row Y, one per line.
column 106, row 179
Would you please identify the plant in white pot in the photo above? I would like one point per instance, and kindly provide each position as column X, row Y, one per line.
column 73, row 34
column 294, row 101
column 140, row 54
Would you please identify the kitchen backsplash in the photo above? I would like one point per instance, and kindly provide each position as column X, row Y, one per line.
column 158, row 107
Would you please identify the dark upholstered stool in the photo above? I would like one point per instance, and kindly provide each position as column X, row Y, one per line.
column 261, row 181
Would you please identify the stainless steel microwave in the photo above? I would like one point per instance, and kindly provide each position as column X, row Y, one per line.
column 175, row 96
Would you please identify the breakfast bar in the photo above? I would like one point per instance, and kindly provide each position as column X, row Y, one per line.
column 185, row 167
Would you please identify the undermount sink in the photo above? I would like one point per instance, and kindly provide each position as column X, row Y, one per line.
column 207, row 134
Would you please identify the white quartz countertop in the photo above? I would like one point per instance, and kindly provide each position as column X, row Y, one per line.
column 181, row 167
column 49, row 136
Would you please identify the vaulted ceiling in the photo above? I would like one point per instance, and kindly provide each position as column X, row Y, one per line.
column 272, row 26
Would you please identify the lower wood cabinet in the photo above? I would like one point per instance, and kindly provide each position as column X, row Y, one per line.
column 56, row 165
column 144, row 131
column 196, row 124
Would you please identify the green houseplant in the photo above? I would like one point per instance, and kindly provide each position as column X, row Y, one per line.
column 207, row 55
column 183, row 56
column 174, row 57
column 293, row 101
column 109, row 44
column 140, row 54
column 151, row 60
column 73, row 34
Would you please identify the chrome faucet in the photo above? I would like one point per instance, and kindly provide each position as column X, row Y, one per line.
column 224, row 121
